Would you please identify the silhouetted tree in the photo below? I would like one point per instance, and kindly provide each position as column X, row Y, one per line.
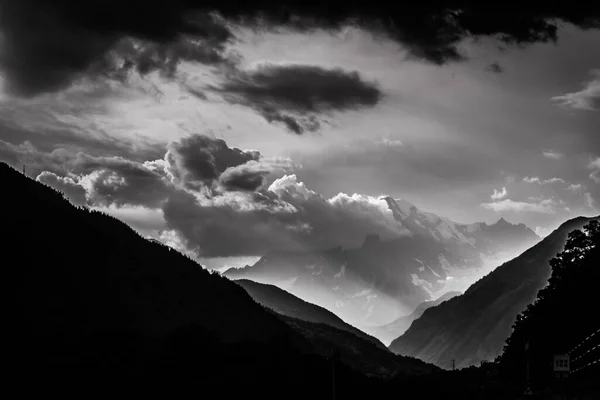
column 564, row 312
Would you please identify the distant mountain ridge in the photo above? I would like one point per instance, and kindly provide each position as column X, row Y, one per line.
column 472, row 327
column 327, row 333
column 387, row 333
column 285, row 303
column 382, row 280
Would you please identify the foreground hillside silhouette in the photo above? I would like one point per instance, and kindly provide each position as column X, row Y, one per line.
column 563, row 319
column 328, row 333
column 287, row 304
column 94, row 306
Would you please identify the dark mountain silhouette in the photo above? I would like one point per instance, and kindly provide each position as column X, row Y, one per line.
column 396, row 328
column 383, row 280
column 472, row 327
column 93, row 306
column 358, row 352
column 562, row 320
column 329, row 333
column 289, row 305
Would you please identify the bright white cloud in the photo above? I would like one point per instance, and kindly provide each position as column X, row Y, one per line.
column 497, row 195
column 68, row 186
column 588, row 98
column 144, row 220
column 543, row 206
column 574, row 187
column 552, row 154
column 535, row 179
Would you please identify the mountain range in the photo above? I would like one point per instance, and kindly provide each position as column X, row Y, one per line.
column 380, row 281
column 94, row 305
column 472, row 327
column 287, row 304
column 396, row 328
column 329, row 333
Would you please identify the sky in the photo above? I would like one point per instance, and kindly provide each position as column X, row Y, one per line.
column 253, row 140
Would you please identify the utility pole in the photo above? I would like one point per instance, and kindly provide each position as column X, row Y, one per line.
column 333, row 358
column 528, row 389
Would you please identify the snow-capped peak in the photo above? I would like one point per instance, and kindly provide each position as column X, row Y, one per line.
column 400, row 208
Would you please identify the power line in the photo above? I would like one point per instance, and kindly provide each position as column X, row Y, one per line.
column 592, row 349
column 582, row 342
column 585, row 366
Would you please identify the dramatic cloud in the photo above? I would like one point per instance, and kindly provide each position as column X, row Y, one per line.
column 574, row 187
column 588, row 98
column 68, row 186
column 252, row 175
column 297, row 95
column 497, row 195
column 47, row 45
column 106, row 180
column 199, row 160
column 552, row 154
column 535, row 179
column 286, row 216
column 215, row 200
column 595, row 165
column 61, row 41
column 543, row 206
column 120, row 182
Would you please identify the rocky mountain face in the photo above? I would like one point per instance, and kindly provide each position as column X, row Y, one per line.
column 380, row 281
column 473, row 327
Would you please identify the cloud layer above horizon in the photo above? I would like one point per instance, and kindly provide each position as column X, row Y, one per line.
column 220, row 201
column 105, row 106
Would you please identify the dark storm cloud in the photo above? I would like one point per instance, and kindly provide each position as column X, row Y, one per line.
column 47, row 44
column 295, row 94
column 247, row 177
column 302, row 88
column 297, row 125
column 199, row 160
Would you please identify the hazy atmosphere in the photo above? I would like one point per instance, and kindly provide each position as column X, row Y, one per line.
column 372, row 167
